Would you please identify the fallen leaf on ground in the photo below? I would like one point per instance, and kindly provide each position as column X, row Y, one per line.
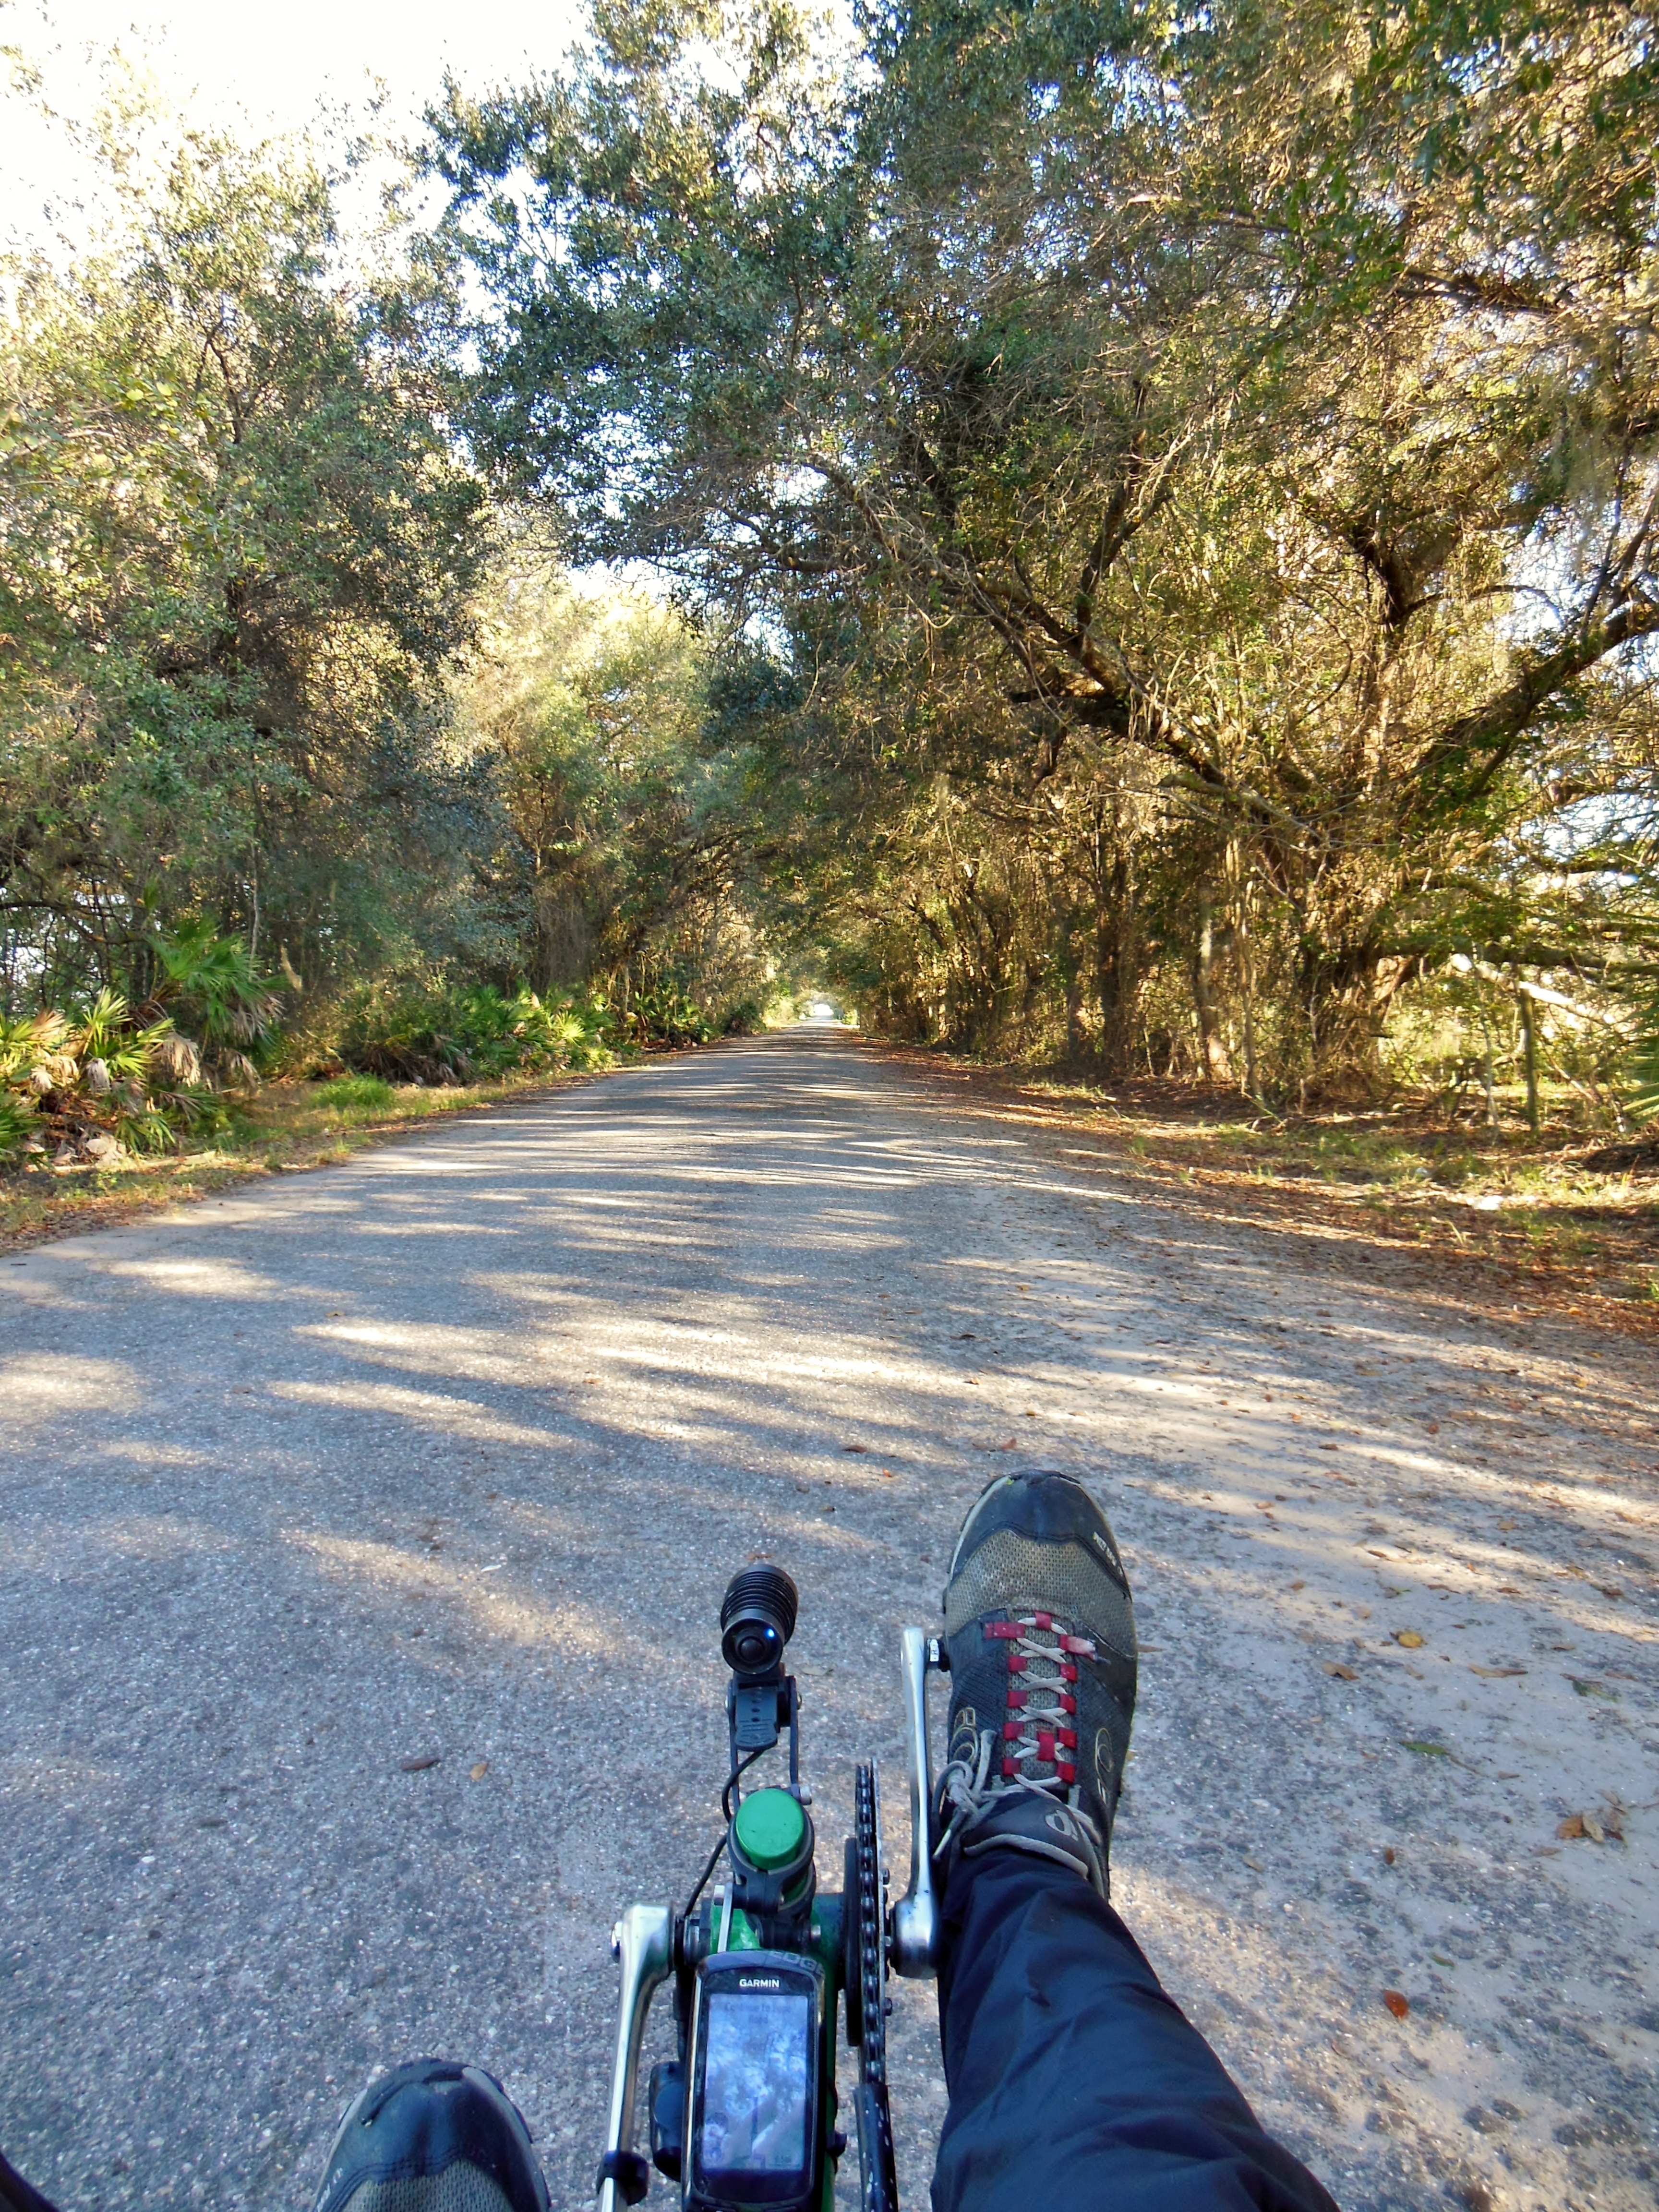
column 1496, row 1674
column 1587, row 1689
column 1572, row 1826
column 855, row 1448
column 1507, row 1589
column 1409, row 1637
column 477, row 1773
column 1428, row 1750
column 1387, row 1855
column 1507, row 1525
column 1593, row 1827
column 1342, row 1674
column 1298, row 1586
column 421, row 1762
column 1609, row 1589
column 1398, row 2004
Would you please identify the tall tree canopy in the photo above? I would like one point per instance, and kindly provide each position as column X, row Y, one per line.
column 1195, row 478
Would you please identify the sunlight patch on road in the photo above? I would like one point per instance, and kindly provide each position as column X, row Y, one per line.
column 459, row 1416
column 474, row 1354
column 36, row 1385
column 138, row 1536
column 201, row 1278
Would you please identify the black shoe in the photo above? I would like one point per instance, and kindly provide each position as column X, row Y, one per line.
column 1040, row 1632
column 433, row 2137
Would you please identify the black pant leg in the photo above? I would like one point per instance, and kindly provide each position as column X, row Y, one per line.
column 1074, row 2080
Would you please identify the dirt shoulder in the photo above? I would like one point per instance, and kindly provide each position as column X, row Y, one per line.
column 1501, row 1221
column 286, row 1128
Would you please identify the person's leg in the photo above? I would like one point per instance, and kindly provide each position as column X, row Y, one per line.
column 1074, row 2080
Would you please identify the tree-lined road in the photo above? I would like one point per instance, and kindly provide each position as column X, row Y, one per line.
column 448, row 1452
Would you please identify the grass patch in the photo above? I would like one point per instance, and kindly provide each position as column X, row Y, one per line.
column 371, row 1091
column 287, row 1127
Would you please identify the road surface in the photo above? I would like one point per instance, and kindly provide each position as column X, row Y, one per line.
column 447, row 1453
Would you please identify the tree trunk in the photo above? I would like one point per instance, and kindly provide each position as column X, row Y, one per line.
column 1115, row 970
column 1529, row 1046
column 1070, row 979
column 1213, row 1050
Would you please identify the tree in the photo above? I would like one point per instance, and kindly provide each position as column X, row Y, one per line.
column 1258, row 491
column 591, row 710
column 236, row 549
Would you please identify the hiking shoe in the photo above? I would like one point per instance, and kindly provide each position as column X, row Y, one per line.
column 433, row 2137
column 1040, row 1632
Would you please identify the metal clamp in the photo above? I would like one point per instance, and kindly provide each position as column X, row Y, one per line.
column 642, row 1940
column 916, row 1917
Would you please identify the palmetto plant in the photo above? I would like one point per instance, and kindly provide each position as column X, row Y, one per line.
column 1642, row 1104
column 93, row 1083
column 215, row 1000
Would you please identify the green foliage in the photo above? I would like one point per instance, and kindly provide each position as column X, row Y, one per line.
column 440, row 1033
column 665, row 1015
column 86, row 1085
column 1643, row 1069
column 632, row 805
column 236, row 548
column 361, row 1090
column 210, row 983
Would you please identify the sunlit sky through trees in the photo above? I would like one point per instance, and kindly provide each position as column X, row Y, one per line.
column 273, row 66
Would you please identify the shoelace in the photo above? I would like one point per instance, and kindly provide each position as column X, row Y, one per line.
column 1041, row 1709
column 1039, row 1731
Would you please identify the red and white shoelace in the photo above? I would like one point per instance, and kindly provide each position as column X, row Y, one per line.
column 1042, row 1718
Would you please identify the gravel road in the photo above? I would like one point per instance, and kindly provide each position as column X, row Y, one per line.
column 446, row 1454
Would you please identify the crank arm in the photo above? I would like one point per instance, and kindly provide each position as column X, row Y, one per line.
column 916, row 1917
column 642, row 1941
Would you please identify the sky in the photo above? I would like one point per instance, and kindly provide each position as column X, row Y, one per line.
column 270, row 66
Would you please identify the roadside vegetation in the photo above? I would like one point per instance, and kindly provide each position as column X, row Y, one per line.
column 1117, row 542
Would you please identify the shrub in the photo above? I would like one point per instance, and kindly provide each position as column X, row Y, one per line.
column 665, row 1016
column 436, row 1033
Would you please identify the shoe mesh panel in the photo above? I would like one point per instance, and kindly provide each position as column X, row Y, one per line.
column 459, row 2188
column 1011, row 1574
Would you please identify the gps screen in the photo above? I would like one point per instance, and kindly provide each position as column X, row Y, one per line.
column 754, row 2098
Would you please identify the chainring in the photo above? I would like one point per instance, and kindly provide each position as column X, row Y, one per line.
column 869, row 1905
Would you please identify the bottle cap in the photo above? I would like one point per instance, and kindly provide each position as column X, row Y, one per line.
column 770, row 1829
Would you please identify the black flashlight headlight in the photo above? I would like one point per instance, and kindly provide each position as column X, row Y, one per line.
column 757, row 1618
